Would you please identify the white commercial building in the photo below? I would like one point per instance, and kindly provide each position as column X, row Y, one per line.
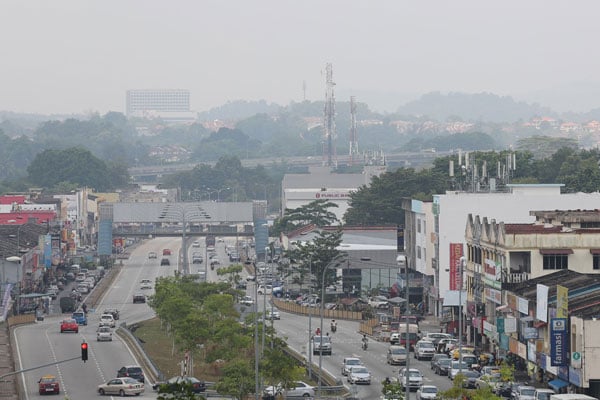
column 300, row 189
column 452, row 209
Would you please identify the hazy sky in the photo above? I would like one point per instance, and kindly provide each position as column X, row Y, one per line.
column 64, row 56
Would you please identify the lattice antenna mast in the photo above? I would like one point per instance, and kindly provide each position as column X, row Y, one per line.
column 329, row 120
column 353, row 132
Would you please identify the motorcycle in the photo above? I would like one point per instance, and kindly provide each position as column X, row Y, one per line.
column 333, row 328
column 365, row 345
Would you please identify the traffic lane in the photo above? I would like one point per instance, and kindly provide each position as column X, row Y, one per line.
column 346, row 342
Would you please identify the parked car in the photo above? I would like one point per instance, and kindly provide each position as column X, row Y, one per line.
column 104, row 333
column 122, row 387
column 177, row 383
column 359, row 375
column 349, row 362
column 69, row 325
column 396, row 355
column 131, row 371
column 427, row 392
column 48, row 384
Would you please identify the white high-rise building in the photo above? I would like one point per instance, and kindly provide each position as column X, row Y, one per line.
column 163, row 103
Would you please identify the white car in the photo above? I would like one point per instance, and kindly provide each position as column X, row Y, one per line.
column 299, row 389
column 265, row 289
column 348, row 363
column 424, row 349
column 247, row 301
column 146, row 284
column 358, row 375
column 104, row 333
column 526, row 393
column 427, row 392
column 273, row 314
column 107, row 320
column 413, row 378
column 456, row 367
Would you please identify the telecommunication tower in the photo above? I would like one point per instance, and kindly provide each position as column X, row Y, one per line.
column 329, row 156
column 353, row 132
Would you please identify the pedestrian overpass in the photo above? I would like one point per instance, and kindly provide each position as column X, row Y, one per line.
column 193, row 219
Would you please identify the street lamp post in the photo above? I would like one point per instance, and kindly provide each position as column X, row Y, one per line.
column 463, row 261
column 407, row 334
column 264, row 295
column 256, row 384
column 321, row 328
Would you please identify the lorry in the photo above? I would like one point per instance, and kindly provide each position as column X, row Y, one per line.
column 67, row 304
column 400, row 335
column 571, row 396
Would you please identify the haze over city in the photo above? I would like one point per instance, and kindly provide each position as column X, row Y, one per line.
column 71, row 56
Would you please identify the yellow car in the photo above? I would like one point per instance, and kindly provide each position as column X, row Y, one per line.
column 455, row 354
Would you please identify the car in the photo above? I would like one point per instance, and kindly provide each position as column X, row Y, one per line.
column 526, row 393
column 435, row 337
column 396, row 355
column 427, row 392
column 48, row 384
column 104, row 333
column 122, row 386
column 139, row 298
column 543, row 394
column 83, row 288
column 177, row 383
column 273, row 314
column 196, row 243
column 251, row 278
column 349, row 362
column 455, row 353
column 80, row 317
column 435, row 359
column 166, row 252
column 234, row 257
column 146, row 284
column 494, row 381
column 107, row 320
column 131, row 371
column 442, row 366
column 297, row 389
column 456, row 367
column 69, row 325
column 359, row 374
column 165, row 261
column 321, row 345
column 424, row 349
column 470, row 379
column 265, row 289
column 413, row 378
column 112, row 311
column 242, row 285
column 152, row 254
column 247, row 301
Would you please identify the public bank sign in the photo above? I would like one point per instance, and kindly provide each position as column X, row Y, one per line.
column 558, row 342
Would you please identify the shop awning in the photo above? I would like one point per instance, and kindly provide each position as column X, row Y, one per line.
column 556, row 251
column 557, row 384
column 595, row 251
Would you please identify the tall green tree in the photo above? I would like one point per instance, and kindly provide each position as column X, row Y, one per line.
column 316, row 212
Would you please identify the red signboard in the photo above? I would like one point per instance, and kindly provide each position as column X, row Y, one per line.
column 456, row 252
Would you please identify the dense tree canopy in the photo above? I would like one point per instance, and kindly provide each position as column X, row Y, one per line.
column 75, row 166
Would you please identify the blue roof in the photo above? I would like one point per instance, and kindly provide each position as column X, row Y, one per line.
column 557, row 384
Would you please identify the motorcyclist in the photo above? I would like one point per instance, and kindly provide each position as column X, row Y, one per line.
column 333, row 326
column 365, row 342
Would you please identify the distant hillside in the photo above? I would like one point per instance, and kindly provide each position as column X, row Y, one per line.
column 486, row 107
column 239, row 109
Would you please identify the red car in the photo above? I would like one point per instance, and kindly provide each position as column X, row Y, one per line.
column 48, row 384
column 166, row 252
column 69, row 325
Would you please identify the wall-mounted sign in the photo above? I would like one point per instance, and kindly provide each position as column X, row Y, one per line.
column 558, row 342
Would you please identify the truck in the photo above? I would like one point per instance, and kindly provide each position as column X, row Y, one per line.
column 67, row 304
column 571, row 396
column 210, row 241
column 400, row 335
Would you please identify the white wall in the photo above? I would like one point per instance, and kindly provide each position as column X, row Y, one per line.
column 503, row 207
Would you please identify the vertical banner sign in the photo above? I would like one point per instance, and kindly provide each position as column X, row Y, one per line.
column 456, row 252
column 558, row 342
column 542, row 303
column 562, row 302
column 48, row 251
column 400, row 239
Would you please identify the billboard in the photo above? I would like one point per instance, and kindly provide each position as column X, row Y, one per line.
column 456, row 252
column 542, row 303
column 558, row 342
column 562, row 301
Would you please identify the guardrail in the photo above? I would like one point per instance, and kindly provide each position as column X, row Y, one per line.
column 135, row 346
column 292, row 307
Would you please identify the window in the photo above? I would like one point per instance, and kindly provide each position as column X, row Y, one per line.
column 596, row 261
column 419, row 252
column 419, row 226
column 556, row 261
